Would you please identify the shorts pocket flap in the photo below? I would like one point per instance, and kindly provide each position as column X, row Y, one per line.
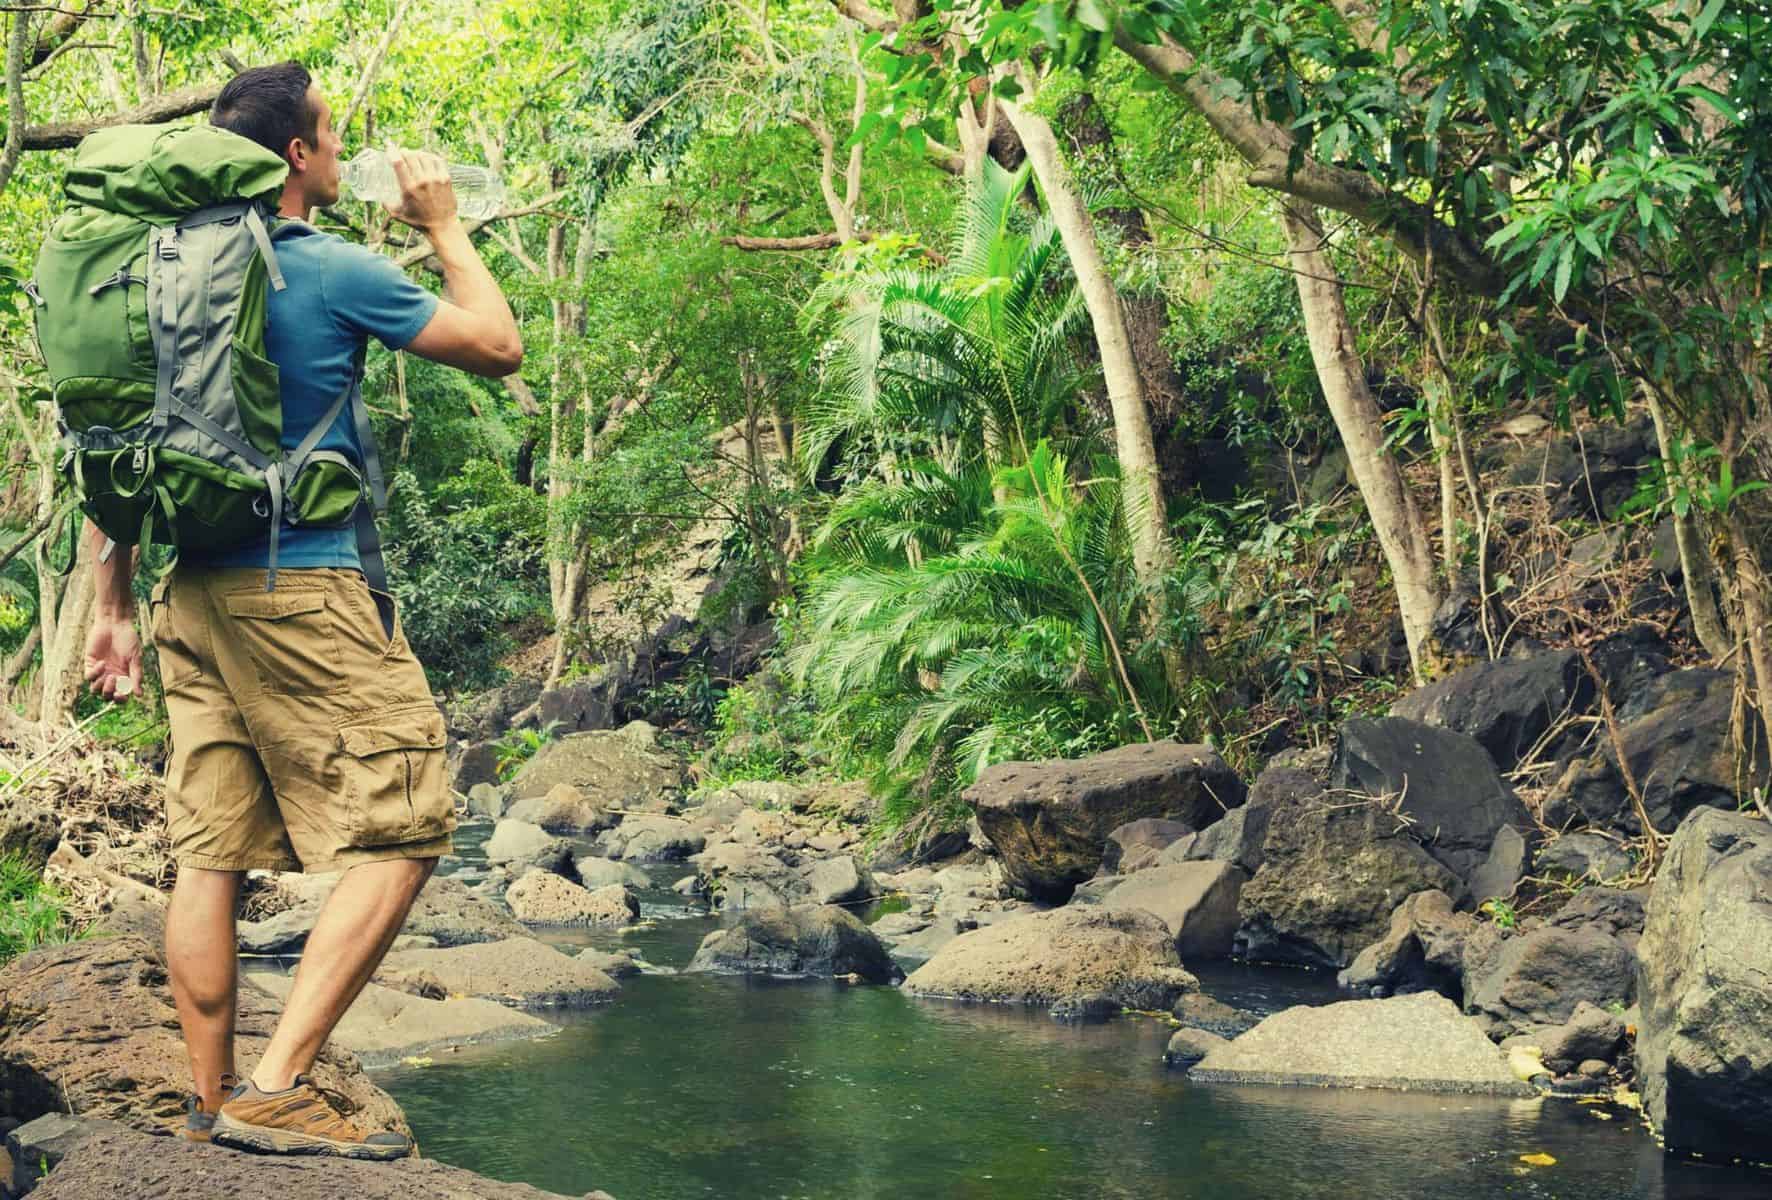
column 416, row 730
column 274, row 606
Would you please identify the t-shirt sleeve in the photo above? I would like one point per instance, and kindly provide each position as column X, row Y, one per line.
column 368, row 294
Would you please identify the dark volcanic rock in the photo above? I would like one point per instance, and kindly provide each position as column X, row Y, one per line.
column 1422, row 952
column 1537, row 978
column 808, row 940
column 1677, row 742
column 1137, row 844
column 1506, row 705
column 92, row 1025
column 1590, row 473
column 477, row 763
column 1330, row 878
column 1448, row 785
column 1050, row 819
column 112, row 1164
column 1587, row 856
column 1196, row 900
column 1704, row 1044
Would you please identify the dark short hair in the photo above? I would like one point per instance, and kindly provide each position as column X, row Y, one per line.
column 268, row 105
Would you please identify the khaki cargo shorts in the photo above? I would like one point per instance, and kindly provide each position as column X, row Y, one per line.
column 303, row 738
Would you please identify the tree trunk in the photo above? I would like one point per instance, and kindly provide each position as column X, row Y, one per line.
column 1152, row 555
column 1697, row 571
column 1358, row 420
column 64, row 655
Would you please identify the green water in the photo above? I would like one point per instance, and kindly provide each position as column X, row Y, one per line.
column 692, row 1086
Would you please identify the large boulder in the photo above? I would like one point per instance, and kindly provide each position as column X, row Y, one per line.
column 1588, row 857
column 1704, row 1043
column 653, row 837
column 1422, row 952
column 623, row 768
column 384, row 1024
column 839, row 880
column 805, row 940
column 595, row 871
column 543, row 898
column 445, row 911
column 521, row 844
column 1049, row 820
column 1410, row 1043
column 1196, row 900
column 477, row 763
column 1677, row 740
column 1137, row 844
column 1507, row 705
column 521, row 972
column 736, row 877
column 112, row 1163
column 564, row 810
column 1331, row 876
column 1067, row 957
column 1537, row 978
column 1444, row 783
column 91, row 1027
column 1588, row 473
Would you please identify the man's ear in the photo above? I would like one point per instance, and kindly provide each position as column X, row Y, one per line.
column 297, row 154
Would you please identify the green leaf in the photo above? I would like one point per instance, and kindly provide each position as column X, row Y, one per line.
column 1436, row 107
column 1565, row 267
column 1706, row 19
column 1092, row 16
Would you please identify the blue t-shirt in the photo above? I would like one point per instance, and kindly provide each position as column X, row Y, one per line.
column 337, row 294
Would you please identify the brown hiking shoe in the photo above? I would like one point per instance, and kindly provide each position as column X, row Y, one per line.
column 297, row 1120
column 200, row 1121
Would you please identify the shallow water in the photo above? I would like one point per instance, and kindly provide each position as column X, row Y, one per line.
column 692, row 1085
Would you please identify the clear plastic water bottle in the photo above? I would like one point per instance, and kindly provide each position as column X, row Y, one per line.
column 479, row 194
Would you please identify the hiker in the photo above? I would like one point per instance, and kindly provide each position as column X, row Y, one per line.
column 304, row 736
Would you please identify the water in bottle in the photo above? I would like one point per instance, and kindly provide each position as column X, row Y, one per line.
column 479, row 194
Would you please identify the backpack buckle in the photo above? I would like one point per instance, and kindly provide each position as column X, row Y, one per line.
column 33, row 293
column 139, row 460
column 167, row 243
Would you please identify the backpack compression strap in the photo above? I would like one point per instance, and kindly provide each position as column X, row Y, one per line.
column 282, row 475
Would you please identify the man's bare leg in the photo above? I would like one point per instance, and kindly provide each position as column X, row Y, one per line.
column 356, row 926
column 202, row 960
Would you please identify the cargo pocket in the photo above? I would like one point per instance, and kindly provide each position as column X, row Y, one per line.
column 394, row 785
column 288, row 634
column 178, row 666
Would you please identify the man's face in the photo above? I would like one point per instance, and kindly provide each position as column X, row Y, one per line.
column 318, row 164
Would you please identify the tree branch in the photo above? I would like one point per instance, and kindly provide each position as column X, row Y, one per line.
column 859, row 12
column 17, row 36
column 166, row 106
column 370, row 71
column 422, row 251
column 1268, row 149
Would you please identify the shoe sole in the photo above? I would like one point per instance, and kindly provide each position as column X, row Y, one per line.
column 267, row 1140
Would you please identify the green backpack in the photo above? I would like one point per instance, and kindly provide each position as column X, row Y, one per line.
column 150, row 296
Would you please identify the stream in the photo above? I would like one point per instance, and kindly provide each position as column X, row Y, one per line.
column 755, row 1089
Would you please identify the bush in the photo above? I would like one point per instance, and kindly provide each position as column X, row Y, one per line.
column 32, row 913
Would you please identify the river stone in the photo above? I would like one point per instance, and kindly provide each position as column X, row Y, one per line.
column 759, row 827
column 1704, row 1044
column 653, row 837
column 1330, row 878
column 133, row 1165
column 1537, row 978
column 1067, row 955
column 486, row 800
column 1188, row 1046
column 1611, row 910
column 1447, row 784
column 91, row 1025
column 1235, row 838
column 614, row 963
column 543, row 898
column 1196, row 900
column 623, row 768
column 595, row 871
column 1676, row 736
column 445, row 910
column 564, row 810
column 1049, row 820
column 1422, row 952
column 1137, row 844
column 770, row 793
column 738, row 877
column 805, row 940
column 1409, row 1043
column 927, row 942
column 383, row 1025
column 838, row 881
column 476, row 765
column 523, row 844
column 1501, row 872
column 715, row 813
column 521, row 972
column 1506, row 705
column 1197, row 1010
column 1591, row 1033
column 1588, row 856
